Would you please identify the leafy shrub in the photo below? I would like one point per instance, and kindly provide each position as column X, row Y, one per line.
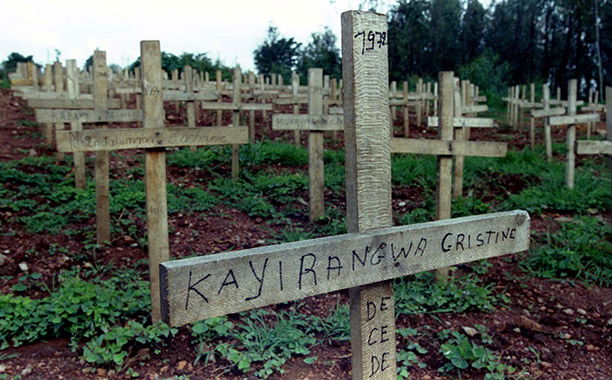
column 581, row 249
column 111, row 346
column 335, row 326
column 267, row 344
column 422, row 294
column 77, row 309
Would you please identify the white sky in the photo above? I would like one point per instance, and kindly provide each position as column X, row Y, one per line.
column 228, row 30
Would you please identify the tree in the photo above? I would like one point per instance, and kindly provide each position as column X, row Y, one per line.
column 276, row 54
column 10, row 64
column 321, row 52
column 472, row 31
column 444, row 29
column 409, row 39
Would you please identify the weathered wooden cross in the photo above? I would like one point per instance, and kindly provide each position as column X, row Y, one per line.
column 371, row 254
column 236, row 106
column 316, row 123
column 571, row 119
column 545, row 113
column 154, row 137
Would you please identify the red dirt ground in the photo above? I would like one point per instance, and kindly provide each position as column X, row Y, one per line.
column 534, row 333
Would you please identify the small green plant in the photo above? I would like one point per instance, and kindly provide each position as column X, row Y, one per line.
column 27, row 282
column 422, row 294
column 461, row 354
column 115, row 345
column 408, row 355
column 267, row 341
column 334, row 327
column 580, row 249
column 203, row 332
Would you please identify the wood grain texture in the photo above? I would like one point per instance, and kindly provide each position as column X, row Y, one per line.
column 68, row 103
column 574, row 119
column 368, row 175
column 315, row 146
column 100, row 93
column 594, row 147
column 236, row 99
column 467, row 122
column 212, row 285
column 547, row 129
column 139, row 138
column 445, row 163
column 98, row 115
column 572, row 93
column 155, row 170
column 449, row 148
column 308, row 122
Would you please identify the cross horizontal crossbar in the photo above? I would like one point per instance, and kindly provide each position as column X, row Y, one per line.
column 135, row 138
column 594, row 147
column 475, row 109
column 178, row 96
column 238, row 107
column 304, row 122
column 87, row 116
column 449, row 147
column 63, row 103
column 548, row 112
column 469, row 122
column 573, row 119
column 202, row 287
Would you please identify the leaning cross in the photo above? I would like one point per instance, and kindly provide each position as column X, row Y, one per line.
column 316, row 123
column 365, row 259
column 154, row 137
column 545, row 113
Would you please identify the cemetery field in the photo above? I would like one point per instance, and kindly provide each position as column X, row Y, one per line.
column 71, row 308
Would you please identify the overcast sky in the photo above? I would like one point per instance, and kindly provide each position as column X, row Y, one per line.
column 228, row 30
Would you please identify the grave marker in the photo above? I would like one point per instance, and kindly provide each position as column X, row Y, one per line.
column 365, row 259
column 153, row 137
column 314, row 122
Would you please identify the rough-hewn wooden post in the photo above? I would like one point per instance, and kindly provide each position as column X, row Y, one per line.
column 368, row 185
column 236, row 120
column 218, row 88
column 100, row 89
column 405, row 109
column 445, row 163
column 571, row 134
column 58, row 81
column 315, row 146
column 547, row 130
column 295, row 86
column 459, row 94
column 155, row 169
column 72, row 84
column 609, row 112
column 531, row 119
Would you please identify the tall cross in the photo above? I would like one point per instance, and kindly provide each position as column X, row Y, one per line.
column 154, row 137
column 371, row 254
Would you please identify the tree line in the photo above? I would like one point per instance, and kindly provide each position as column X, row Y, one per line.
column 510, row 42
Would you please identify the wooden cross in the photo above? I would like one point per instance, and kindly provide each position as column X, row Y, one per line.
column 316, row 123
column 236, row 106
column 445, row 148
column 370, row 255
column 296, row 101
column 461, row 132
column 153, row 137
column 571, row 119
column 545, row 113
column 100, row 114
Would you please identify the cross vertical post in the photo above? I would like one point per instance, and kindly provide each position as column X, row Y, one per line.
column 155, row 169
column 368, row 186
column 571, row 134
column 315, row 146
column 236, row 120
column 547, row 130
column 445, row 163
column 72, row 82
column 100, row 89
